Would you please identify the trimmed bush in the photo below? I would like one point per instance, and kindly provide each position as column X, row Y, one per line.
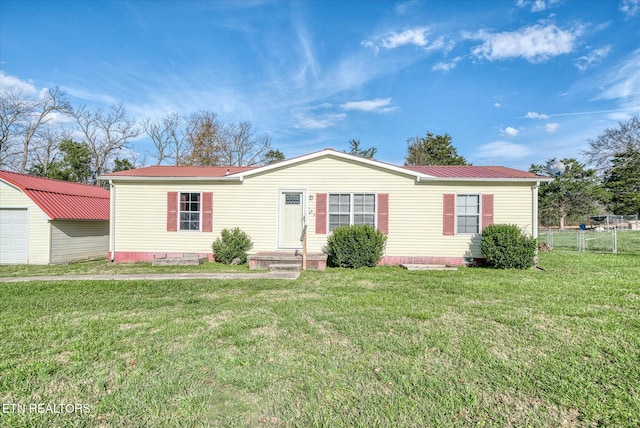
column 232, row 244
column 355, row 246
column 505, row 246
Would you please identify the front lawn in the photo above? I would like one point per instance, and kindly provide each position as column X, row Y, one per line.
column 370, row 347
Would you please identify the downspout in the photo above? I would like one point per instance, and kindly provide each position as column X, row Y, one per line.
column 112, row 223
column 534, row 196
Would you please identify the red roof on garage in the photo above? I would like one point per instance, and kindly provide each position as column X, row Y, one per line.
column 62, row 199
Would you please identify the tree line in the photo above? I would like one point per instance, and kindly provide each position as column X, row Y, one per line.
column 39, row 135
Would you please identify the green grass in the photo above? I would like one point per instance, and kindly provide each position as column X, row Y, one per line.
column 98, row 267
column 343, row 348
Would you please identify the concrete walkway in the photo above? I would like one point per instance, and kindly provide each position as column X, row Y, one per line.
column 157, row 276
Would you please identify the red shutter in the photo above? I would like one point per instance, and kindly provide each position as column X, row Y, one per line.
column 321, row 213
column 207, row 211
column 449, row 214
column 383, row 213
column 487, row 210
column 172, row 211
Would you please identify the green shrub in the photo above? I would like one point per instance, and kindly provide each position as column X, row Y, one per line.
column 355, row 246
column 232, row 244
column 505, row 246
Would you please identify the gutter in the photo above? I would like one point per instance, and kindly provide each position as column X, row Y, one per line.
column 168, row 178
column 482, row 180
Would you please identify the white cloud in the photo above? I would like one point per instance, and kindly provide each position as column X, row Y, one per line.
column 536, row 43
column 11, row 83
column 630, row 7
column 376, row 105
column 509, row 131
column 551, row 127
column 497, row 105
column 537, row 5
column 416, row 36
column 322, row 122
column 413, row 36
column 446, row 66
column 404, row 7
column 503, row 150
column 593, row 58
column 622, row 83
column 534, row 115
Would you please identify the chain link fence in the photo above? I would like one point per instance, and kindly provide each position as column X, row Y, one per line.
column 613, row 240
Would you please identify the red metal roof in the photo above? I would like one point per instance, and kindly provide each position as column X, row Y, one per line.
column 62, row 199
column 468, row 171
column 181, row 171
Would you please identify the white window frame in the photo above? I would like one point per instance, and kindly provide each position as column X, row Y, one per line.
column 351, row 208
column 478, row 215
column 180, row 229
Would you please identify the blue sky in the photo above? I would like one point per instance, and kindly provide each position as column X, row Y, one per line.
column 513, row 82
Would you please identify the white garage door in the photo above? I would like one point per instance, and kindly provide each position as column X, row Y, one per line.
column 14, row 232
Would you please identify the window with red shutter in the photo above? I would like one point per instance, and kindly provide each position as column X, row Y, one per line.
column 172, row 211
column 321, row 213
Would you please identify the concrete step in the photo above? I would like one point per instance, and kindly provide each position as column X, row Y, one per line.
column 419, row 266
column 178, row 261
column 284, row 267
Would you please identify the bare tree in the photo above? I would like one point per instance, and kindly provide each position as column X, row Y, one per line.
column 106, row 132
column 22, row 117
column 46, row 152
column 614, row 141
column 167, row 136
column 241, row 147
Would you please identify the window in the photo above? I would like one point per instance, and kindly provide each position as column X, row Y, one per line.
column 468, row 213
column 351, row 208
column 190, row 211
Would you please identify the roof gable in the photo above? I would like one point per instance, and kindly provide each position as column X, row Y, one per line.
column 62, row 199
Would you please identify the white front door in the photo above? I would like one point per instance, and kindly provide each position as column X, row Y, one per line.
column 291, row 219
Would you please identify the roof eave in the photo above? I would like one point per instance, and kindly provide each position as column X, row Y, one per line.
column 487, row 179
column 167, row 178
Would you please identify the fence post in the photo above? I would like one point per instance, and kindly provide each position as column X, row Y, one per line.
column 615, row 240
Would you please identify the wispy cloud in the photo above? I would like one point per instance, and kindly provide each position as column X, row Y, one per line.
column 592, row 58
column 537, row 5
column 534, row 115
column 509, row 131
column 404, row 7
column 416, row 36
column 536, row 43
column 622, row 83
column 503, row 150
column 551, row 127
column 447, row 66
column 378, row 105
column 320, row 122
column 630, row 7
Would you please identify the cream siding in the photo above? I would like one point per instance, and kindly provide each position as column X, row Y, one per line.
column 73, row 240
column 39, row 236
column 415, row 209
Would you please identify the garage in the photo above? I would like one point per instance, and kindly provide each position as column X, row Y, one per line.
column 44, row 221
column 14, row 236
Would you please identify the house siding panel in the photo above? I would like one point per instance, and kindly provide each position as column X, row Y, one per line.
column 415, row 220
column 78, row 240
